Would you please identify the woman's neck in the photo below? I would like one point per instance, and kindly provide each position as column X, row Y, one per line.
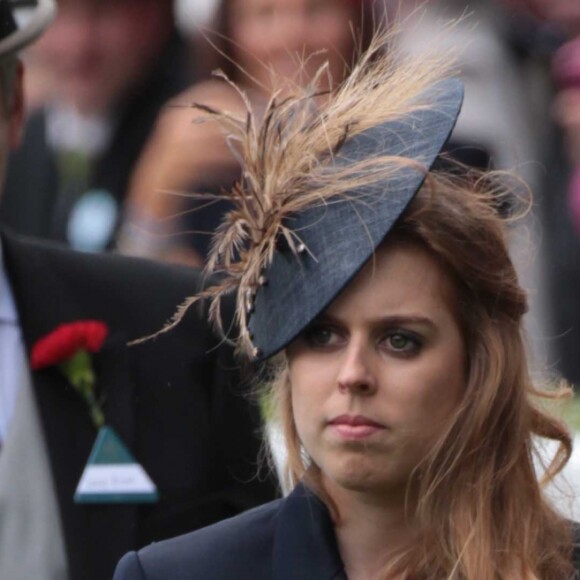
column 372, row 527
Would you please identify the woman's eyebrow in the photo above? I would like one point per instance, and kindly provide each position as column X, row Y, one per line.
column 401, row 319
column 326, row 318
column 389, row 320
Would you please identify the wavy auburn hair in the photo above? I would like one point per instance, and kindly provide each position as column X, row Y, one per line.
column 480, row 508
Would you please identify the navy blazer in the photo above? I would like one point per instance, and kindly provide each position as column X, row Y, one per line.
column 288, row 539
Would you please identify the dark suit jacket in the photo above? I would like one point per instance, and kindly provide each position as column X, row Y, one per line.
column 175, row 401
column 288, row 539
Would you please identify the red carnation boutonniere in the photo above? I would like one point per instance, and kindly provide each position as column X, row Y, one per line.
column 111, row 475
column 70, row 348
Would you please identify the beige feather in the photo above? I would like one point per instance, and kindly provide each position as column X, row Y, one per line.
column 287, row 163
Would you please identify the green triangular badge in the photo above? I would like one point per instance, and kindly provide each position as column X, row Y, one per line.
column 112, row 475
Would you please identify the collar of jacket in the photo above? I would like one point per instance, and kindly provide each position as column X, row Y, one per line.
column 305, row 543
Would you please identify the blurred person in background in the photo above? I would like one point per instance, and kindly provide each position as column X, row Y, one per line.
column 40, row 84
column 506, row 116
column 176, row 402
column 563, row 225
column 560, row 155
column 564, row 14
column 567, row 113
column 110, row 64
column 253, row 42
column 496, row 116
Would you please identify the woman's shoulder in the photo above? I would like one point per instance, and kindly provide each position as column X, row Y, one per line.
column 239, row 547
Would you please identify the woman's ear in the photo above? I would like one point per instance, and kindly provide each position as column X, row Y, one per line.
column 16, row 112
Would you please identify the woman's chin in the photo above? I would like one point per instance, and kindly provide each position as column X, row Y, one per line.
column 362, row 477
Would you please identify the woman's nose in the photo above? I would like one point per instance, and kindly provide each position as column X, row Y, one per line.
column 355, row 374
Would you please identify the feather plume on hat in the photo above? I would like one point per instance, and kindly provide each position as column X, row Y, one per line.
column 288, row 164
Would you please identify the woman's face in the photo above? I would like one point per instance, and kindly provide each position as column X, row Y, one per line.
column 376, row 378
column 288, row 36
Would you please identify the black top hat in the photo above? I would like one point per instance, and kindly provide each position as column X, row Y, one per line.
column 22, row 22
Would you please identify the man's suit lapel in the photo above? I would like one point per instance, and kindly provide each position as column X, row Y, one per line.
column 112, row 367
column 304, row 540
column 99, row 535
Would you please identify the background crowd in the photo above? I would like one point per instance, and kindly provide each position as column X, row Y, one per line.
column 112, row 149
column 117, row 150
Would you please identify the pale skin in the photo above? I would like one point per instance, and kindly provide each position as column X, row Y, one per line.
column 97, row 50
column 293, row 38
column 375, row 380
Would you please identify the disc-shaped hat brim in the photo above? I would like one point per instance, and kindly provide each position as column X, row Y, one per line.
column 341, row 235
column 22, row 22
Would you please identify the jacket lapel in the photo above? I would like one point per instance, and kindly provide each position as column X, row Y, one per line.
column 95, row 536
column 304, row 541
column 112, row 367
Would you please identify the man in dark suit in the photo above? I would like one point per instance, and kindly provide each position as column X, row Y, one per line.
column 114, row 64
column 175, row 401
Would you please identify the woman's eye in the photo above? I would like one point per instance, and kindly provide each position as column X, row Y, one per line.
column 402, row 342
column 321, row 336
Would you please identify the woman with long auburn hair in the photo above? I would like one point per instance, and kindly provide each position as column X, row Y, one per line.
column 375, row 285
column 475, row 491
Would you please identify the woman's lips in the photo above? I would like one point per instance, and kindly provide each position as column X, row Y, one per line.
column 355, row 426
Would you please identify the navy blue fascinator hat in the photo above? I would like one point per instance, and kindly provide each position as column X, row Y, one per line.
column 22, row 22
column 324, row 179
